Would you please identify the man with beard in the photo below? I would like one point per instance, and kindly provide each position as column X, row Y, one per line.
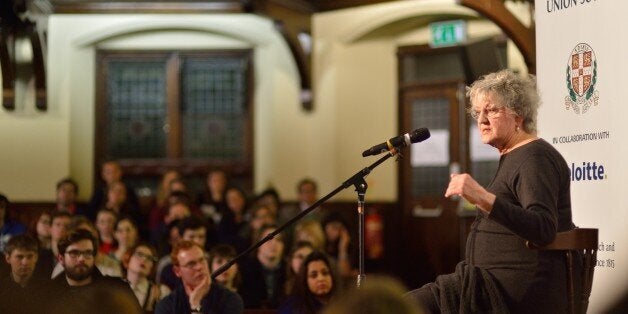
column 81, row 288
column 20, row 292
column 196, row 293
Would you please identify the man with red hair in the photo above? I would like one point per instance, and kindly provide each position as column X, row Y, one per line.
column 197, row 293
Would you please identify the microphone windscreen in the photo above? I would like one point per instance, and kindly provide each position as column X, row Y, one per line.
column 419, row 135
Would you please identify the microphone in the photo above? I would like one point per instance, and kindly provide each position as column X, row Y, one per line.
column 418, row 135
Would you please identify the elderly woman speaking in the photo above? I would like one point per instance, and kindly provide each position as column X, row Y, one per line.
column 528, row 199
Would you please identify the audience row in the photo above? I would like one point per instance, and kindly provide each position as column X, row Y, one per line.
column 161, row 254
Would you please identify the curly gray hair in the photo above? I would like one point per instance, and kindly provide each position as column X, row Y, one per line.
column 516, row 93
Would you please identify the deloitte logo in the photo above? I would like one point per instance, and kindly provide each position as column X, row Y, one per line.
column 588, row 171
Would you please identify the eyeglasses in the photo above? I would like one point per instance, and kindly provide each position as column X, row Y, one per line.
column 194, row 264
column 147, row 257
column 76, row 253
column 487, row 112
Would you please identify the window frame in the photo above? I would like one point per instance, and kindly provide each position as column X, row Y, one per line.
column 151, row 167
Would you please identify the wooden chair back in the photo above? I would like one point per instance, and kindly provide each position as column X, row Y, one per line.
column 584, row 240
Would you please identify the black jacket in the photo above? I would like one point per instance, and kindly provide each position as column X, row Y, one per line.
column 219, row 300
column 103, row 295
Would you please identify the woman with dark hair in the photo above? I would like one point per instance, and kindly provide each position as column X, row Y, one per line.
column 338, row 243
column 220, row 255
column 39, row 228
column 232, row 226
column 297, row 255
column 126, row 235
column 315, row 286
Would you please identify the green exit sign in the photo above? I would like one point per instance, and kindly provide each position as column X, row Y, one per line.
column 449, row 33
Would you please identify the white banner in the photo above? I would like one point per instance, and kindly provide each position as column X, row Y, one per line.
column 581, row 47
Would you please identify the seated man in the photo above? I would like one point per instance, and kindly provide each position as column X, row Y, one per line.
column 66, row 194
column 81, row 288
column 197, row 293
column 20, row 292
column 190, row 229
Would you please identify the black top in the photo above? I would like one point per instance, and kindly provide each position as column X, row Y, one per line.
column 262, row 287
column 533, row 203
column 294, row 305
column 103, row 295
column 17, row 299
column 218, row 300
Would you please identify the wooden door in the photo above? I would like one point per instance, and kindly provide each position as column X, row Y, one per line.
column 431, row 226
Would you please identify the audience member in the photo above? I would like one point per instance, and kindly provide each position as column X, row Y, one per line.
column 40, row 228
column 197, row 293
column 300, row 250
column 338, row 243
column 307, row 195
column 163, row 189
column 220, row 255
column 8, row 227
column 232, row 226
column 264, row 275
column 118, row 202
column 126, row 235
column 163, row 199
column 260, row 215
column 139, row 263
column 105, row 223
column 269, row 198
column 20, row 291
column 212, row 200
column 77, row 287
column 111, row 171
column 66, row 194
column 59, row 226
column 310, row 231
column 107, row 265
column 179, row 209
column 190, row 229
column 315, row 286
column 173, row 239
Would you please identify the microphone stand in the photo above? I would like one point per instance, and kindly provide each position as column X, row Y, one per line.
column 356, row 180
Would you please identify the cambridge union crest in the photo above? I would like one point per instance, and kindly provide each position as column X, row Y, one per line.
column 581, row 79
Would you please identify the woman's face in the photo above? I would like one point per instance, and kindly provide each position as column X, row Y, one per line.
column 496, row 124
column 43, row 226
column 142, row 261
column 125, row 233
column 105, row 222
column 319, row 278
column 332, row 230
column 228, row 275
column 298, row 257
